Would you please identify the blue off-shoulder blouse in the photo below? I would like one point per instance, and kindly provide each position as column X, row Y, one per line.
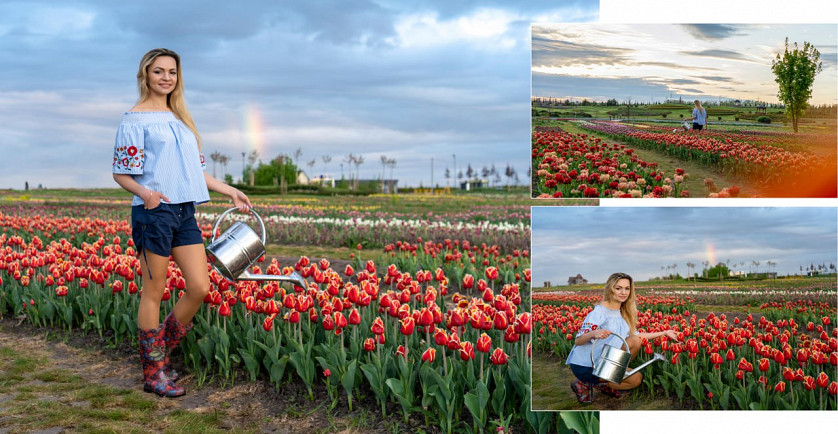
column 162, row 154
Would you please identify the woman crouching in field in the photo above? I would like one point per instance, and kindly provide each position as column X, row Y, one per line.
column 616, row 314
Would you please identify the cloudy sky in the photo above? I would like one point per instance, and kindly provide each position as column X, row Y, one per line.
column 410, row 80
column 653, row 62
column 596, row 242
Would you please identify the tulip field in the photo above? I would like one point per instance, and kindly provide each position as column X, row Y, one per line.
column 781, row 353
column 427, row 323
column 776, row 164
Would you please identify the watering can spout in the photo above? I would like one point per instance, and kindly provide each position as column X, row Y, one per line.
column 655, row 358
column 294, row 278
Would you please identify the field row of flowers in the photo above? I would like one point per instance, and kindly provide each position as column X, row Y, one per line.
column 728, row 152
column 286, row 229
column 389, row 333
column 720, row 363
column 578, row 165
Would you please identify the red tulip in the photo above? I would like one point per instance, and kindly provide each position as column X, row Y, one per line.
column 349, row 271
column 369, row 344
column 780, row 387
column 491, row 273
column 224, row 310
column 61, row 291
column 354, row 317
column 116, row 287
column 740, row 375
column 327, row 373
column 468, row 281
column 407, row 325
column 377, row 326
column 401, row 351
column 484, row 343
column 500, row 321
column 822, row 380
column 429, row 355
column 440, row 337
column 833, row 388
column 268, row 323
column 466, row 351
column 730, row 355
column 328, row 322
column 763, row 364
column 808, row 383
column 716, row 360
column 498, row 357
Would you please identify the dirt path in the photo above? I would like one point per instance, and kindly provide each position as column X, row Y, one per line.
column 78, row 361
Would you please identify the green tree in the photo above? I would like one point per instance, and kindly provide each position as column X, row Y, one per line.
column 795, row 73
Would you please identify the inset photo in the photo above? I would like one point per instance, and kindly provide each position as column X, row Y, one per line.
column 684, row 110
column 680, row 308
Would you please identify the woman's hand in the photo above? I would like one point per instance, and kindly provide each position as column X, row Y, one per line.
column 671, row 334
column 601, row 333
column 240, row 200
column 153, row 198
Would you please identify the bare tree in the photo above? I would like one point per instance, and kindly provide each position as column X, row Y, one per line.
column 310, row 165
column 297, row 154
column 384, row 161
column 392, row 164
column 215, row 156
column 223, row 159
column 359, row 160
column 349, row 160
column 326, row 160
column 251, row 158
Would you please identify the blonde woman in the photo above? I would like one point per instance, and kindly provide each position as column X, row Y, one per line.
column 699, row 116
column 615, row 314
column 157, row 157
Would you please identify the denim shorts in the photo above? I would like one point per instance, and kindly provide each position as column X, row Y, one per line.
column 584, row 373
column 160, row 229
column 697, row 126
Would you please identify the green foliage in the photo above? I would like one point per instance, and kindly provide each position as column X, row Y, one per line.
column 764, row 119
column 795, row 72
column 275, row 170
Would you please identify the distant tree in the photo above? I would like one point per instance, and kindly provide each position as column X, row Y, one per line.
column 215, row 156
column 470, row 172
column 447, row 176
column 326, row 160
column 251, row 159
column 795, row 73
column 224, row 159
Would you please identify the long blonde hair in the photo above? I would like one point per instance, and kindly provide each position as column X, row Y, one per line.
column 698, row 104
column 628, row 309
column 174, row 100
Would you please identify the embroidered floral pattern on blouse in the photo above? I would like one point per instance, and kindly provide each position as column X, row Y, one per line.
column 203, row 162
column 128, row 159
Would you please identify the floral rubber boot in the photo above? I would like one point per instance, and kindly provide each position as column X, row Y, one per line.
column 584, row 392
column 153, row 355
column 174, row 331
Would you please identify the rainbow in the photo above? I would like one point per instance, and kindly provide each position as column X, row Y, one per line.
column 710, row 250
column 254, row 130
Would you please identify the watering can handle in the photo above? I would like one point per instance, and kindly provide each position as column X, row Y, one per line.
column 224, row 214
column 593, row 364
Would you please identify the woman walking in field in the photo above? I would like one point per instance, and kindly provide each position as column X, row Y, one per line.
column 157, row 157
column 699, row 116
column 615, row 314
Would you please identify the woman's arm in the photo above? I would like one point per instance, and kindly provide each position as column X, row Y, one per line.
column 240, row 200
column 671, row 334
column 593, row 334
column 150, row 198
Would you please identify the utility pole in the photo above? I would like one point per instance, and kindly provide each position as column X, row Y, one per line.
column 432, row 175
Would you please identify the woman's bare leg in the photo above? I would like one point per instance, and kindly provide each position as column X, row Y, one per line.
column 192, row 260
column 148, row 314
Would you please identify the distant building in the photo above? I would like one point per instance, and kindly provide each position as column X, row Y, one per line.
column 323, row 180
column 578, row 280
column 547, row 284
column 302, row 178
column 471, row 184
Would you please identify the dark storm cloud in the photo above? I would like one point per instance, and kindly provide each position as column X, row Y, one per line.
column 711, row 32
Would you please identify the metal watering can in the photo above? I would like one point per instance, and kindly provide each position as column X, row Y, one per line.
column 238, row 248
column 614, row 361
